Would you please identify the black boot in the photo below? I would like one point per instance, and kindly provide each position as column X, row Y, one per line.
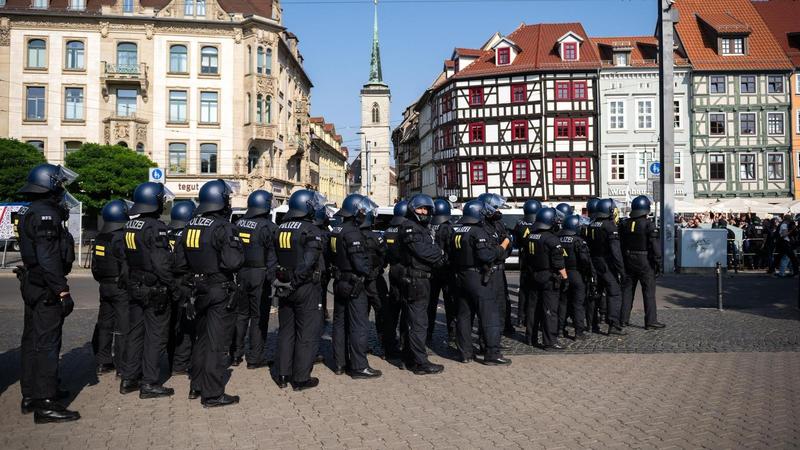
column 194, row 394
column 428, row 369
column 50, row 411
column 128, row 386
column 27, row 405
column 105, row 368
column 499, row 361
column 310, row 383
column 155, row 391
column 366, row 373
column 222, row 400
column 282, row 381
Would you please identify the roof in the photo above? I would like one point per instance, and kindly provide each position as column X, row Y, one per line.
column 247, row 7
column 697, row 31
column 468, row 52
column 92, row 6
column 643, row 50
column 538, row 52
column 449, row 63
column 783, row 19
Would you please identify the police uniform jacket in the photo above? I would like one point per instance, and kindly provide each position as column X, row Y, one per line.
column 299, row 250
column 577, row 257
column 258, row 239
column 419, row 250
column 472, row 247
column 350, row 251
column 604, row 244
column 46, row 247
column 521, row 232
column 442, row 235
column 147, row 251
column 108, row 259
column 544, row 252
column 640, row 236
column 392, row 238
column 210, row 246
column 376, row 250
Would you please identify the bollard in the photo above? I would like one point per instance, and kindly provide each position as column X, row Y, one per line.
column 719, row 286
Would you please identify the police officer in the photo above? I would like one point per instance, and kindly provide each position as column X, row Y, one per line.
column 351, row 305
column 375, row 284
column 547, row 276
column 495, row 202
column 579, row 267
column 595, row 303
column 257, row 232
column 182, row 330
column 442, row 277
column 642, row 249
column 603, row 240
column 322, row 220
column 521, row 231
column 110, row 270
column 420, row 255
column 46, row 248
column 150, row 276
column 211, row 250
column 298, row 246
column 472, row 254
column 393, row 312
column 563, row 210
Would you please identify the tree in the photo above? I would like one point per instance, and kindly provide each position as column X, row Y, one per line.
column 16, row 160
column 106, row 172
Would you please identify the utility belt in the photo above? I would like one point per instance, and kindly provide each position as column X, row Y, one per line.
column 637, row 252
column 349, row 284
column 212, row 278
column 418, row 274
column 254, row 265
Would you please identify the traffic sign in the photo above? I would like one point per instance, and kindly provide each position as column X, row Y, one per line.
column 655, row 168
column 157, row 175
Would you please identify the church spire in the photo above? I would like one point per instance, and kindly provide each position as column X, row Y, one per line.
column 375, row 72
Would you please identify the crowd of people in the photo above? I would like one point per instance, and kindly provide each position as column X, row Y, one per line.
column 200, row 288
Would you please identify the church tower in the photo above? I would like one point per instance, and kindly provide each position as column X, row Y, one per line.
column 375, row 129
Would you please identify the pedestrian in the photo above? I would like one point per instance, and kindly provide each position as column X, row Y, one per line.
column 579, row 269
column 521, row 232
column 607, row 259
column 182, row 326
column 442, row 278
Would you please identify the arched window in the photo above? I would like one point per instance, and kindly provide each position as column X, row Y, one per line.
column 260, row 60
column 209, row 62
column 376, row 113
column 37, row 54
column 259, row 109
column 122, row 144
column 269, row 109
column 178, row 59
column 248, row 108
column 140, row 148
column 127, row 57
column 268, row 62
column 75, row 55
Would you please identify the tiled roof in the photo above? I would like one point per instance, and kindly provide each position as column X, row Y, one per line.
column 724, row 23
column 317, row 120
column 643, row 50
column 92, row 6
column 700, row 43
column 449, row 63
column 783, row 19
column 539, row 52
column 468, row 52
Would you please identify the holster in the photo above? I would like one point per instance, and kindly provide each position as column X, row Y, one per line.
column 230, row 295
column 486, row 274
column 282, row 289
column 158, row 297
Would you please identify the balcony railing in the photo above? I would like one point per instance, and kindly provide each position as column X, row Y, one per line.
column 136, row 74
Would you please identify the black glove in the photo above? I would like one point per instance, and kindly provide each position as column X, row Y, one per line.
column 564, row 285
column 67, row 305
column 191, row 313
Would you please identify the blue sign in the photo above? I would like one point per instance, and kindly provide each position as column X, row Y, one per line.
column 157, row 174
column 655, row 168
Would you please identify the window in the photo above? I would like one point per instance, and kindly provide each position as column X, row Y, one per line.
column 645, row 158
column 35, row 103
column 717, row 124
column 39, row 4
column 561, row 170
column 747, row 167
column 75, row 56
column 519, row 93
column 188, row 8
column 503, row 56
column 616, row 114
column 617, row 166
column 249, row 59
column 376, row 113
column 77, row 5
column 562, row 90
column 450, row 176
column 71, row 147
column 268, row 110
column 579, row 90
column 676, row 114
column 260, row 60
column 177, row 106
column 580, row 129
column 477, row 172
column 127, row 58
column 798, row 125
column 621, row 59
column 717, row 84
column 563, row 128
column 73, row 103
column 178, row 59
column 522, row 171
column 747, row 84
column 747, row 124
column 580, row 170
column 733, row 46
column 775, row 84
column 253, row 156
column 519, row 130
column 448, row 137
column 201, row 7
column 774, row 166
column 268, row 62
column 775, row 124
column 208, row 107
column 126, row 102
column 644, row 110
column 39, row 145
column 140, row 148
column 570, row 51
column 260, row 109
column 177, row 158
column 209, row 60
column 127, row 6
column 475, row 96
column 476, row 133
column 678, row 165
column 208, row 158
column 716, row 167
column 37, row 54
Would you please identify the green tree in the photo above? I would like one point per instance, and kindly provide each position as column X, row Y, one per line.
column 16, row 160
column 106, row 172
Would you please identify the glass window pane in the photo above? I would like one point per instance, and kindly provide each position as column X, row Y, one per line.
column 201, row 7
column 177, row 158
column 38, row 144
column 126, row 102
column 188, row 8
column 73, row 104
column 177, row 106
column 178, row 56
column 75, row 55
column 209, row 60
column 208, row 107
column 37, row 54
column 34, row 103
column 208, row 158
column 127, row 58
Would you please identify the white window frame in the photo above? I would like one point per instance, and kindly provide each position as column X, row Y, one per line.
column 755, row 80
column 76, row 109
column 783, row 121
column 677, row 109
column 797, row 84
column 643, row 160
column 783, row 167
column 640, row 115
column 724, row 122
column 724, row 167
column 755, row 126
column 618, row 115
column 178, row 109
column 783, row 85
column 798, row 125
column 755, row 167
column 724, row 85
column 613, row 163
column 209, row 111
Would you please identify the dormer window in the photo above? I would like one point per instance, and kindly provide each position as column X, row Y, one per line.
column 77, row 5
column 503, row 56
column 621, row 59
column 570, row 51
column 39, row 4
column 732, row 46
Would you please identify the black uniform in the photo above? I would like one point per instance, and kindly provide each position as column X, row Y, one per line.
column 110, row 269
column 47, row 253
column 503, row 300
column 150, row 277
column 299, row 251
column 327, row 266
column 375, row 284
column 546, row 259
column 520, row 233
column 420, row 255
column 393, row 313
column 642, row 249
column 255, row 286
column 441, row 282
column 579, row 267
column 472, row 253
column 603, row 241
column 183, row 332
column 351, row 305
column 211, row 250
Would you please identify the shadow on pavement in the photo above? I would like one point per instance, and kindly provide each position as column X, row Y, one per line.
column 9, row 368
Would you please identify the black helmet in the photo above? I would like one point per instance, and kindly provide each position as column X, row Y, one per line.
column 259, row 203
column 571, row 225
column 640, row 207
column 46, row 178
column 472, row 212
column 605, row 208
column 562, row 211
column 545, row 219
column 530, row 208
column 493, row 204
column 215, row 196
column 400, row 211
column 441, row 211
column 181, row 213
column 304, row 204
column 115, row 215
column 351, row 206
column 369, row 220
column 149, row 197
column 421, row 201
column 591, row 206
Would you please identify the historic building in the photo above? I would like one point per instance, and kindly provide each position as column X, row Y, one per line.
column 206, row 88
column 630, row 114
column 327, row 152
column 783, row 19
column 405, row 139
column 740, row 100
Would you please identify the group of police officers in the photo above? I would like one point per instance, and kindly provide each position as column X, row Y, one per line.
column 200, row 287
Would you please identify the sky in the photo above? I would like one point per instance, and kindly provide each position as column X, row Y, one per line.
column 416, row 36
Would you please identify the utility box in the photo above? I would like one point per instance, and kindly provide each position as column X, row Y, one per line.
column 700, row 249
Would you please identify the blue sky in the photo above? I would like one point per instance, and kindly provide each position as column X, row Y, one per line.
column 417, row 36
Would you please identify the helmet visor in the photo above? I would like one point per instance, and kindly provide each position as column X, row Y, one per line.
column 168, row 195
column 66, row 176
column 498, row 202
column 369, row 206
column 69, row 201
column 317, row 201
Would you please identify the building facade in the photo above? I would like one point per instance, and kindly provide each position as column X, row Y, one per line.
column 205, row 88
column 405, row 139
column 328, row 153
